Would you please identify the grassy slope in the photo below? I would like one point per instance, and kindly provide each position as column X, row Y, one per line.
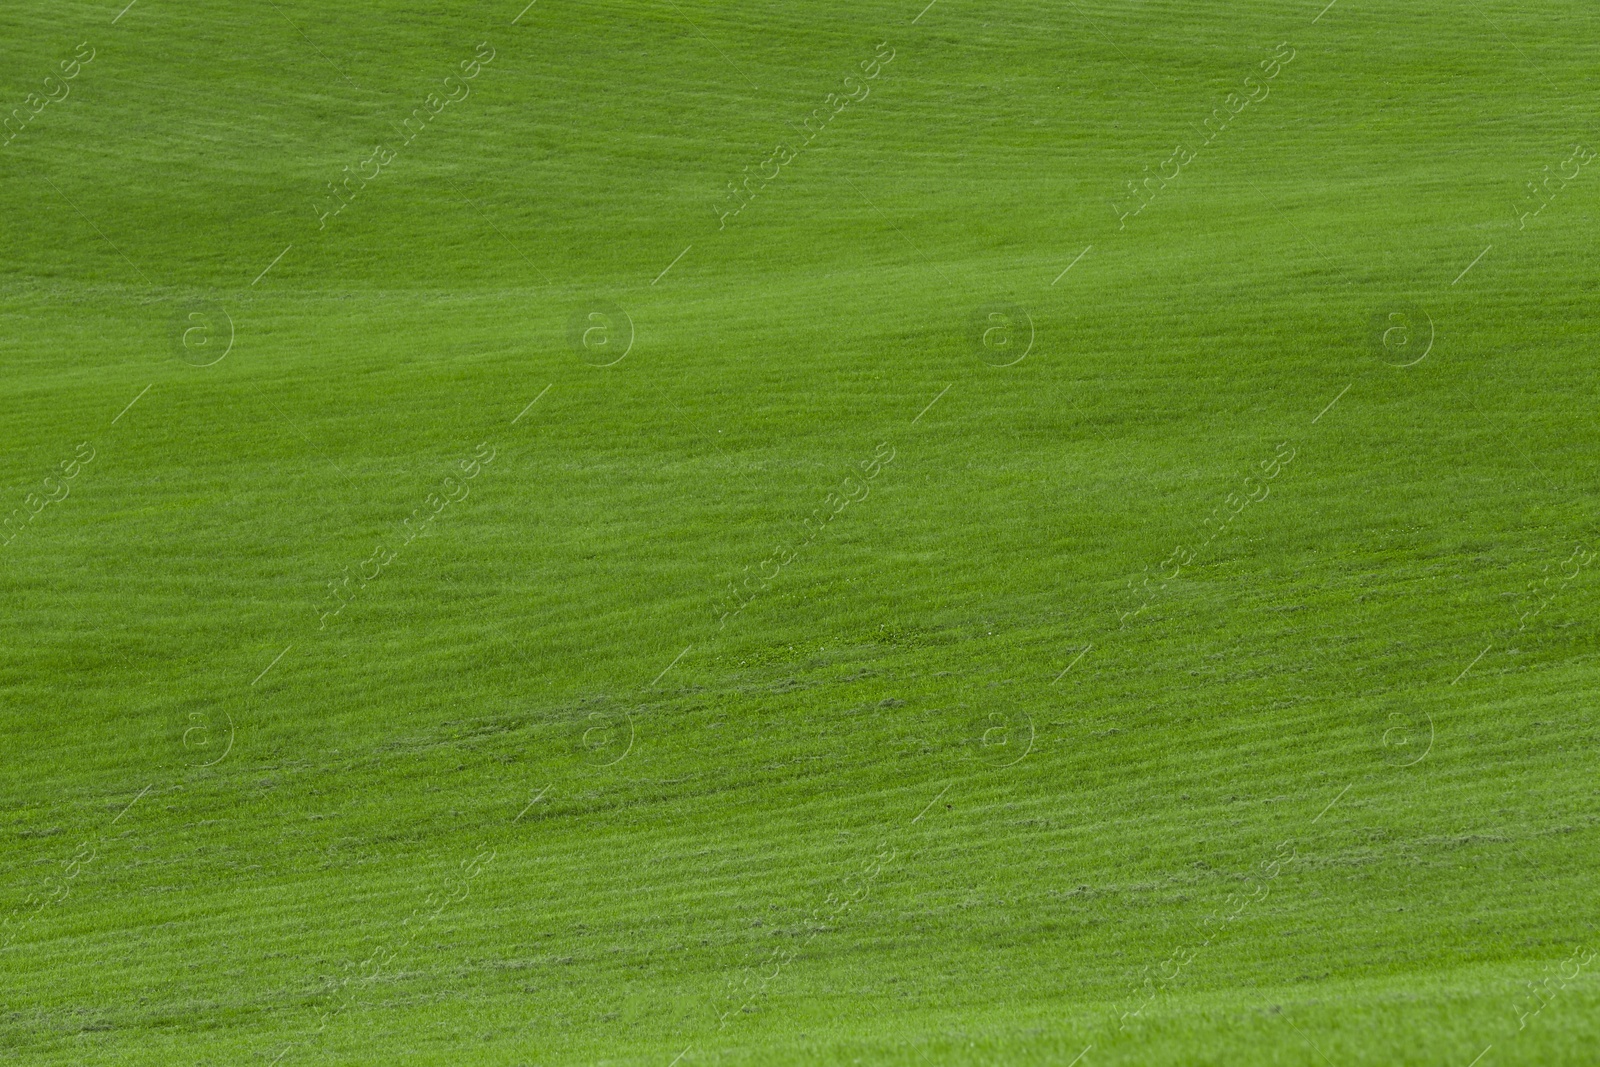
column 772, row 760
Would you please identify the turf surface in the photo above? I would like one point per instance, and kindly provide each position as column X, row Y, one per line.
column 663, row 532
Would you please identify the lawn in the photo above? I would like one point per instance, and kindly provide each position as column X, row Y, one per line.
column 661, row 532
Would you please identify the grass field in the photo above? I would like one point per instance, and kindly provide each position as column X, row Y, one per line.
column 661, row 532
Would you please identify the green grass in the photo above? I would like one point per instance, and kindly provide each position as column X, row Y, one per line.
column 933, row 796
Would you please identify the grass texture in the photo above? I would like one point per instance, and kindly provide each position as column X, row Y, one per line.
column 662, row 532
